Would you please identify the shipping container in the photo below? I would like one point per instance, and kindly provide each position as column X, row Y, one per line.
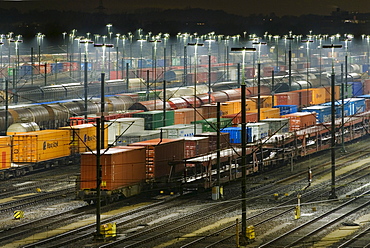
column 357, row 89
column 5, row 152
column 209, row 111
column 337, row 91
column 154, row 119
column 180, row 130
column 265, row 101
column 300, row 120
column 122, row 126
column 266, row 113
column 126, row 139
column 210, row 124
column 161, row 155
column 287, row 98
column 305, row 97
column 366, row 86
column 323, row 113
column 212, row 138
column 83, row 137
column 237, row 118
column 235, row 136
column 184, row 116
column 196, row 146
column 33, row 147
column 277, row 125
column 287, row 109
column 257, row 131
column 318, row 95
column 121, row 166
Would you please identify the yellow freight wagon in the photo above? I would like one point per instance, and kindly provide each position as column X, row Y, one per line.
column 5, row 152
column 34, row 147
column 83, row 137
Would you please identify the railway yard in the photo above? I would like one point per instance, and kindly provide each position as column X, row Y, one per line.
column 53, row 217
column 181, row 152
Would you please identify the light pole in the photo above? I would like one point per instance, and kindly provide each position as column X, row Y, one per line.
column 154, row 66
column 210, row 40
column 195, row 81
column 141, row 41
column 243, row 144
column 109, row 26
column 259, row 79
column 332, row 194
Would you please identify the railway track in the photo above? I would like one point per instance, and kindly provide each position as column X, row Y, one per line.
column 84, row 234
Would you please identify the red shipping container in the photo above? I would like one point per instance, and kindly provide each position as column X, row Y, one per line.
column 160, row 155
column 366, row 86
column 301, row 120
column 286, row 98
column 367, row 104
column 305, row 97
column 120, row 167
column 195, row 146
column 212, row 136
column 209, row 111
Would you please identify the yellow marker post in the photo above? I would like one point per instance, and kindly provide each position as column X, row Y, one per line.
column 18, row 214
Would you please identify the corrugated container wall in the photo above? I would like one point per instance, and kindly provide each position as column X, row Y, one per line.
column 212, row 138
column 5, row 152
column 138, row 136
column 300, row 120
column 121, row 166
column 122, row 126
column 160, row 153
column 277, row 125
column 40, row 146
column 83, row 137
column 195, row 146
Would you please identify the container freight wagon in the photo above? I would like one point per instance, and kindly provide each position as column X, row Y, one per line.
column 46, row 147
column 123, row 173
column 163, row 157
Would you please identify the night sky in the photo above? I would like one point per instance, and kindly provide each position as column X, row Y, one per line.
column 239, row 7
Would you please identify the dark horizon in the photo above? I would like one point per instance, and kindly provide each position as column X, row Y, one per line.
column 236, row 7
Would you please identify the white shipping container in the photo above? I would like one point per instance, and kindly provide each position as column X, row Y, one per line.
column 180, row 130
column 121, row 126
column 256, row 131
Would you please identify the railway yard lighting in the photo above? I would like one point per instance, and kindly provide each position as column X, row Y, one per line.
column 333, row 193
column 196, row 44
column 243, row 142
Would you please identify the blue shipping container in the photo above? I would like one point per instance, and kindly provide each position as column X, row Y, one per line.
column 323, row 113
column 287, row 109
column 357, row 89
column 234, row 134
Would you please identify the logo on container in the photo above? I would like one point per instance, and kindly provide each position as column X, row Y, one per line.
column 88, row 138
column 48, row 145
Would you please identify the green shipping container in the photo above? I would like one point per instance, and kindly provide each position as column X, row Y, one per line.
column 348, row 92
column 210, row 124
column 154, row 119
column 152, row 95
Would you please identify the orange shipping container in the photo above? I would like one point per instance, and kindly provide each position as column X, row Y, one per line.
column 209, row 111
column 237, row 118
column 121, row 166
column 300, row 120
column 5, row 152
column 305, row 97
column 328, row 92
column 83, row 137
column 184, row 116
column 40, row 146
